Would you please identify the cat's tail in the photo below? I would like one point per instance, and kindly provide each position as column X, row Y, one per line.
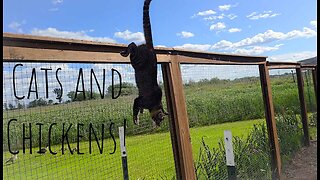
column 147, row 25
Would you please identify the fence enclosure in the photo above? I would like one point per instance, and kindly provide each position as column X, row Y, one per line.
column 33, row 49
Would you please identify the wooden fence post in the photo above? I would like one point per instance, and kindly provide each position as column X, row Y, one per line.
column 179, row 123
column 304, row 117
column 270, row 120
column 314, row 78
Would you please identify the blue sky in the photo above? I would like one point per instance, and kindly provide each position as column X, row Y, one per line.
column 280, row 30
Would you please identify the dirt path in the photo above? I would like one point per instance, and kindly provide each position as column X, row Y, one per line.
column 304, row 164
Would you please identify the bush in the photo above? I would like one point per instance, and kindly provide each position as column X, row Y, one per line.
column 252, row 154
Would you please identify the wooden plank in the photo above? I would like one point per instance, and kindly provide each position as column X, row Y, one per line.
column 194, row 60
column 308, row 66
column 303, row 107
column 283, row 67
column 218, row 56
column 172, row 123
column 270, row 121
column 315, row 85
column 55, row 55
column 40, row 42
column 181, row 122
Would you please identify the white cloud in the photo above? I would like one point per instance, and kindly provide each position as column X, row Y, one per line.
column 233, row 30
column 220, row 16
column 232, row 16
column 129, row 36
column 161, row 46
column 197, row 47
column 16, row 26
column 293, row 57
column 53, row 32
column 314, row 23
column 255, row 50
column 218, row 26
column 210, row 18
column 224, row 7
column 57, row 1
column 264, row 14
column 206, row 13
column 185, row 34
column 265, row 37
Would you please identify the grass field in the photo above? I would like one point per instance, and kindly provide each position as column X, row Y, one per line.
column 153, row 160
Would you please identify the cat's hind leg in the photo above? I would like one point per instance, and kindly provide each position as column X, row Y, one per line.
column 136, row 108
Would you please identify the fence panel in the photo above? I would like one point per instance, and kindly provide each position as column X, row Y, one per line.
column 32, row 92
column 226, row 97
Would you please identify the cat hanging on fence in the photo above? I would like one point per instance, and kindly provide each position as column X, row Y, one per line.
column 144, row 61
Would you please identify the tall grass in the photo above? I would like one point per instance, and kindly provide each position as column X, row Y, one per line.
column 252, row 154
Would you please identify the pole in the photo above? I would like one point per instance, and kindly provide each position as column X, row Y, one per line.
column 232, row 175
column 123, row 153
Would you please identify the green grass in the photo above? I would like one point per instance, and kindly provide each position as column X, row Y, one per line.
column 148, row 156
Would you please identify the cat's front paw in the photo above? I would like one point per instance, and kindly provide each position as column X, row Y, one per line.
column 136, row 120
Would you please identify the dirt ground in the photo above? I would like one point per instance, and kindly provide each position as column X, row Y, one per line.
column 303, row 165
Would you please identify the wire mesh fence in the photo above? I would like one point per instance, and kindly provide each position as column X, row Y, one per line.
column 227, row 97
column 310, row 99
column 72, row 106
column 289, row 124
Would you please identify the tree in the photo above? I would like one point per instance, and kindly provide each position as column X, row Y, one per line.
column 5, row 106
column 50, row 101
column 20, row 106
column 11, row 106
column 58, row 92
column 38, row 102
column 126, row 89
column 80, row 96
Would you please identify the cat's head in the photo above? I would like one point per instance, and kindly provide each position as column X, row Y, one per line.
column 158, row 115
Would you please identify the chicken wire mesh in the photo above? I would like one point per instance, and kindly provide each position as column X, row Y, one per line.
column 286, row 102
column 37, row 95
column 311, row 102
column 226, row 97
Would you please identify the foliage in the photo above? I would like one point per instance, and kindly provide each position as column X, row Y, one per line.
column 252, row 154
column 290, row 134
column 11, row 106
column 82, row 96
column 58, row 92
column 126, row 89
column 313, row 120
column 38, row 102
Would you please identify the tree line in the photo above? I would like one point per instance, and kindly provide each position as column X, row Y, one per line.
column 126, row 90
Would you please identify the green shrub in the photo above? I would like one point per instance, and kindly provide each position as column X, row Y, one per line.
column 252, row 154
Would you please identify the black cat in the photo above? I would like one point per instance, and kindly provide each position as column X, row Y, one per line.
column 144, row 61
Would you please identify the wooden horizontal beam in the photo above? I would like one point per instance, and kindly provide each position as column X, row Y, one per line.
column 283, row 65
column 13, row 54
column 58, row 49
column 194, row 60
column 308, row 66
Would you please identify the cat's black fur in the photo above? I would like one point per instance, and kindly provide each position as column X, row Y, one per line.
column 144, row 61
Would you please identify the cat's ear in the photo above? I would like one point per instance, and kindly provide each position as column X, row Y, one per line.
column 131, row 48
